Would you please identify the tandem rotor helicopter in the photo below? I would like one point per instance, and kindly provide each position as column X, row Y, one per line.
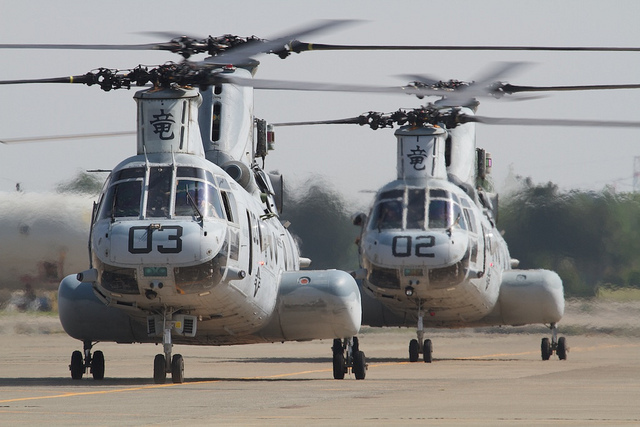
column 430, row 251
column 186, row 247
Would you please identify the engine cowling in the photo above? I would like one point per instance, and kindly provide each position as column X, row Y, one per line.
column 84, row 317
column 530, row 297
column 315, row 304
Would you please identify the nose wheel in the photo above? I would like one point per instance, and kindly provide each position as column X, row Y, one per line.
column 347, row 355
column 164, row 364
column 555, row 345
column 81, row 363
column 420, row 346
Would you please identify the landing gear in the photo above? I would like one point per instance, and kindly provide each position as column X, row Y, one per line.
column 417, row 346
column 80, row 364
column 164, row 364
column 347, row 354
column 557, row 345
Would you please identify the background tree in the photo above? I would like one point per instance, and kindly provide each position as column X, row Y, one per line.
column 321, row 221
column 82, row 183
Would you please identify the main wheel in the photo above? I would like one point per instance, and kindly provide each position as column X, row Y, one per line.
column 159, row 371
column 77, row 365
column 414, row 349
column 359, row 365
column 177, row 369
column 561, row 351
column 427, row 351
column 545, row 349
column 339, row 365
column 97, row 365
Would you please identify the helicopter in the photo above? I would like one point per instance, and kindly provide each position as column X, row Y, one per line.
column 430, row 250
column 174, row 259
column 185, row 243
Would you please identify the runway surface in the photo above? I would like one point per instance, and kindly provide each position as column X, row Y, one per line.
column 476, row 378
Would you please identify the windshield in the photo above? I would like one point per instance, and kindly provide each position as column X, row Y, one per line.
column 195, row 193
column 197, row 198
column 410, row 209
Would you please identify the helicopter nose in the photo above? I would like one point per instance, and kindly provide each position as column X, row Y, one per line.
column 432, row 249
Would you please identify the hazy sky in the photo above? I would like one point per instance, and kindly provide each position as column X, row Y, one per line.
column 353, row 159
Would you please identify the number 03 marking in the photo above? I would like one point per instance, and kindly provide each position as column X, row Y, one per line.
column 144, row 235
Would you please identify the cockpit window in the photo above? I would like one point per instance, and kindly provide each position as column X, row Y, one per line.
column 197, row 198
column 126, row 199
column 387, row 214
column 159, row 191
column 392, row 194
column 439, row 213
column 123, row 199
column 415, row 209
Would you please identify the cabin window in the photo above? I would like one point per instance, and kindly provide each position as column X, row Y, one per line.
column 229, row 206
column 215, row 121
column 459, row 219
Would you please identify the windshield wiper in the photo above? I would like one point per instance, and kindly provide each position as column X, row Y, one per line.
column 195, row 207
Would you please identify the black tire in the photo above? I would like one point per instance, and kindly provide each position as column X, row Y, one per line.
column 337, row 346
column 359, row 365
column 177, row 369
column 427, row 351
column 77, row 365
column 356, row 345
column 562, row 348
column 339, row 366
column 159, row 373
column 545, row 349
column 414, row 350
column 97, row 365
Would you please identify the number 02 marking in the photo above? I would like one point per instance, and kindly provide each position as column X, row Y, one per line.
column 402, row 246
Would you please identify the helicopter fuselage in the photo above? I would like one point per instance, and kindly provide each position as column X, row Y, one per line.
column 430, row 251
column 439, row 256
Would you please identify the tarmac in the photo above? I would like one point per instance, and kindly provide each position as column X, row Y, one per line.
column 477, row 378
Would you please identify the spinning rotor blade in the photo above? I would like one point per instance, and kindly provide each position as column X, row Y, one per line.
column 298, row 46
column 242, row 53
column 547, row 122
column 65, row 137
column 509, row 88
column 349, row 121
column 430, row 115
column 266, row 84
column 235, row 49
column 148, row 46
column 71, row 79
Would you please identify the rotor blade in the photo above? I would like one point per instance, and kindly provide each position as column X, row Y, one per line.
column 349, row 121
column 509, row 88
column 266, row 84
column 298, row 47
column 65, row 137
column 546, row 122
column 71, row 79
column 148, row 46
column 242, row 53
